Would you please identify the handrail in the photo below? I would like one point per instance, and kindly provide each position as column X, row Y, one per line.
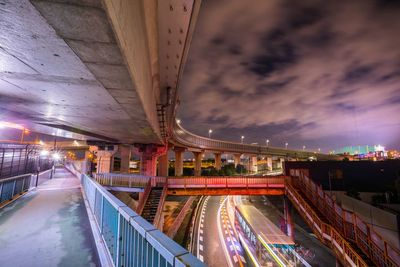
column 325, row 232
column 158, row 220
column 130, row 239
column 351, row 225
column 226, row 182
column 188, row 139
column 181, row 216
column 143, row 201
column 14, row 186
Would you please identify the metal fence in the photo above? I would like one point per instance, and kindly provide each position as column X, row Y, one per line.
column 130, row 239
column 11, row 187
column 21, row 159
column 133, row 180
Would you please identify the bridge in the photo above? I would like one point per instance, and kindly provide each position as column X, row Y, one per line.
column 353, row 241
column 106, row 74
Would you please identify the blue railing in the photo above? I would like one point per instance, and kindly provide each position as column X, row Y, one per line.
column 130, row 239
column 14, row 186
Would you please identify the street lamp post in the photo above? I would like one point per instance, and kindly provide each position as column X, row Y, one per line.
column 304, row 147
column 267, row 142
column 209, row 133
column 242, row 139
column 286, row 144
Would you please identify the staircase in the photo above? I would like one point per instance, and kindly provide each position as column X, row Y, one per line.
column 150, row 208
column 365, row 245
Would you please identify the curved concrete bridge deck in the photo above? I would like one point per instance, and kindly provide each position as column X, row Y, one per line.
column 48, row 226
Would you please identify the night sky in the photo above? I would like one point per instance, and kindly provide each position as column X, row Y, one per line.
column 316, row 73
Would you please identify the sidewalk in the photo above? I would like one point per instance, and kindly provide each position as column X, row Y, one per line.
column 48, row 226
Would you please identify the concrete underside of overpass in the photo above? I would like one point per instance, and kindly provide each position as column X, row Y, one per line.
column 61, row 65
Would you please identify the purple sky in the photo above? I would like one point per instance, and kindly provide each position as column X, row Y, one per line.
column 316, row 73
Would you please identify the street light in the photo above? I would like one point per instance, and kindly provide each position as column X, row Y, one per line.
column 242, row 138
column 178, row 121
column 319, row 150
column 267, row 142
column 286, row 144
column 304, row 147
column 209, row 133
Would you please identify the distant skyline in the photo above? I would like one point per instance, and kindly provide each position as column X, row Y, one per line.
column 324, row 74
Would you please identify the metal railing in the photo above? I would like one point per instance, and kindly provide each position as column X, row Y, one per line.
column 182, row 137
column 17, row 159
column 158, row 218
column 351, row 226
column 146, row 194
column 14, row 186
column 132, row 180
column 181, row 216
column 323, row 231
column 130, row 239
column 226, row 182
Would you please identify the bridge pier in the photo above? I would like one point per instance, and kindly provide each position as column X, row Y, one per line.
column 217, row 158
column 288, row 210
column 105, row 161
column 269, row 163
column 236, row 158
column 197, row 165
column 163, row 165
column 148, row 158
column 125, row 153
column 253, row 164
column 179, row 161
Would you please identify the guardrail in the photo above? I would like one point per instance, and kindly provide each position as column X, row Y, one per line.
column 351, row 226
column 11, row 187
column 132, row 180
column 130, row 239
column 158, row 218
column 323, row 231
column 181, row 216
column 226, row 182
column 188, row 139
column 146, row 194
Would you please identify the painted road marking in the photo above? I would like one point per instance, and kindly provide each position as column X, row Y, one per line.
column 201, row 225
column 201, row 238
column 201, row 258
column 201, row 247
column 201, row 231
column 235, row 258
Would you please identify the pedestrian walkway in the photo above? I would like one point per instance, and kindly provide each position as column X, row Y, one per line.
column 48, row 226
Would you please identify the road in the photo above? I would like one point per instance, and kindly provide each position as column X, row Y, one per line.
column 215, row 240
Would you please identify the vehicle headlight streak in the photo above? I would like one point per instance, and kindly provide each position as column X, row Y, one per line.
column 273, row 254
column 253, row 259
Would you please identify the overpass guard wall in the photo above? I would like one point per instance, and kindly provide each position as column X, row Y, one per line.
column 130, row 239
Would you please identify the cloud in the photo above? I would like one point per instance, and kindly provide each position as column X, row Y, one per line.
column 323, row 73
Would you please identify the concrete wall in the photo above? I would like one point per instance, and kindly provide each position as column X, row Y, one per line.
column 383, row 222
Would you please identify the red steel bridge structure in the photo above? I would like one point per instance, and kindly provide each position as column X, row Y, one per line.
column 352, row 240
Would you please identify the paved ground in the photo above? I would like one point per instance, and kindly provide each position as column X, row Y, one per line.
column 48, row 227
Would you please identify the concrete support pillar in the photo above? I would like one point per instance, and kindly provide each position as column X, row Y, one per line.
column 148, row 158
column 217, row 158
column 85, row 168
column 105, row 161
column 280, row 163
column 236, row 158
column 288, row 210
column 269, row 163
column 197, row 163
column 179, row 161
column 163, row 165
column 253, row 164
column 125, row 152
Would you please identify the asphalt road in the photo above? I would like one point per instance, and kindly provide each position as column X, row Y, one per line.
column 215, row 239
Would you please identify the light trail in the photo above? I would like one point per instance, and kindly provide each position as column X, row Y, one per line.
column 252, row 257
column 221, row 238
